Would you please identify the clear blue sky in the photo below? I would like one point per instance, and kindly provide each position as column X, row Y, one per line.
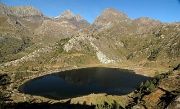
column 163, row 10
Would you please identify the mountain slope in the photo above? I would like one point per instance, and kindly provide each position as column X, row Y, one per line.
column 113, row 37
column 26, row 21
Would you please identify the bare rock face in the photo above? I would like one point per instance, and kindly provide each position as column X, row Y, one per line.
column 144, row 24
column 75, row 20
column 20, row 11
column 56, row 29
column 26, row 16
column 2, row 8
column 23, row 11
column 111, row 14
column 78, row 17
column 62, row 26
column 110, row 17
column 66, row 14
column 69, row 15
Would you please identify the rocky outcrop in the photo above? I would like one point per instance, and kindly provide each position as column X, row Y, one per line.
column 166, row 94
column 76, row 20
column 30, row 57
column 175, row 104
column 103, row 58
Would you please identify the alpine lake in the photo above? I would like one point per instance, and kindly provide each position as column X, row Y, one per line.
column 84, row 81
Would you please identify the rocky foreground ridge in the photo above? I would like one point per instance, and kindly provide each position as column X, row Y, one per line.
column 34, row 44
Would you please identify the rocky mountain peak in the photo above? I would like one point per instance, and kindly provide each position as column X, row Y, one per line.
column 76, row 20
column 110, row 17
column 20, row 11
column 69, row 16
column 66, row 14
column 110, row 13
column 78, row 17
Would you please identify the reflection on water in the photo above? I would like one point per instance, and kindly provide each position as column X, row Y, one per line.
column 85, row 81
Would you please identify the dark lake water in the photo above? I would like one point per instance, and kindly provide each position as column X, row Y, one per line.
column 79, row 82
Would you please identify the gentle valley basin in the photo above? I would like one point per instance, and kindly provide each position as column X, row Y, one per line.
column 80, row 82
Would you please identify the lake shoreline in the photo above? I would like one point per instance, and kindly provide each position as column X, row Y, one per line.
column 83, row 81
column 19, row 97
